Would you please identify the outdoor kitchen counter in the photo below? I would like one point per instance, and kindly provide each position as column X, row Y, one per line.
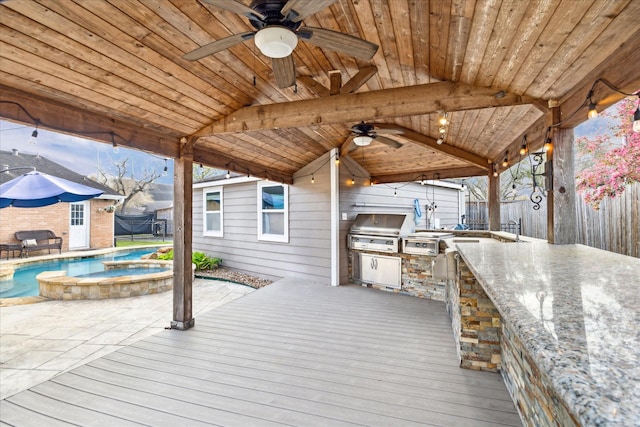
column 575, row 310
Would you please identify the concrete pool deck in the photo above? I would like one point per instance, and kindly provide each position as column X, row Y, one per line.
column 40, row 341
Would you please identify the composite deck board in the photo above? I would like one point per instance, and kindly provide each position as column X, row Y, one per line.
column 288, row 354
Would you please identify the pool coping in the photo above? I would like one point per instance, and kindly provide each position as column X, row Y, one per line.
column 18, row 262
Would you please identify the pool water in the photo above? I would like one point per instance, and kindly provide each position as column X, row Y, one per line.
column 24, row 281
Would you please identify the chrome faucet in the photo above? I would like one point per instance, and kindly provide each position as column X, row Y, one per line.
column 518, row 228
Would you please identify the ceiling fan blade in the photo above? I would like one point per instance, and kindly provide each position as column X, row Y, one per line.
column 303, row 8
column 390, row 142
column 217, row 46
column 388, row 131
column 340, row 42
column 284, row 70
column 235, row 7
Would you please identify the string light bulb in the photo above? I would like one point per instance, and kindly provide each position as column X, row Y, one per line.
column 547, row 145
column 505, row 162
column 228, row 175
column 165, row 169
column 523, row 147
column 443, row 121
column 495, row 171
column 636, row 120
column 353, row 180
column 395, row 192
column 337, row 159
column 593, row 113
column 313, row 179
column 114, row 146
column 34, row 136
column 439, row 141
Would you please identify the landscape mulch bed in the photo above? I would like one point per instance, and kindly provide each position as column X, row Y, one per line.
column 233, row 276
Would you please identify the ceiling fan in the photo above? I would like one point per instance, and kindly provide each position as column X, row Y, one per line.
column 278, row 28
column 363, row 134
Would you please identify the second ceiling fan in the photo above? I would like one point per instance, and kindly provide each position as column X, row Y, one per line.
column 278, row 28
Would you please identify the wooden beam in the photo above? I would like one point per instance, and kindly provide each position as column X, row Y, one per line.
column 205, row 155
column 182, row 237
column 359, row 79
column 385, row 103
column 335, row 80
column 565, row 226
column 63, row 118
column 429, row 174
column 314, row 86
column 493, row 197
column 430, row 142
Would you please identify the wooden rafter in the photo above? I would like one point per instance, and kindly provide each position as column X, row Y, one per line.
column 429, row 174
column 430, row 142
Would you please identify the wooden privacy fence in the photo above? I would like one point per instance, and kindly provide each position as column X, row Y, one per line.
column 614, row 227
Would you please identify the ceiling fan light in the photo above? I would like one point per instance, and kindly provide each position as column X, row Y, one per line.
column 276, row 42
column 362, row 140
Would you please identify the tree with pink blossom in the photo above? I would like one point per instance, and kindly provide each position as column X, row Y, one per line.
column 611, row 159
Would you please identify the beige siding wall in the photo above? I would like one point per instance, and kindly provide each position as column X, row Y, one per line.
column 307, row 255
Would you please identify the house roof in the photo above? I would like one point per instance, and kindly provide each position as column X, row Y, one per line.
column 114, row 71
column 16, row 159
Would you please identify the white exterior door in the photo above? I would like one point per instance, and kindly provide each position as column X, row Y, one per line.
column 79, row 225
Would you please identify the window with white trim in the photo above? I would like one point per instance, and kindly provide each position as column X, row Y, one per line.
column 273, row 212
column 213, row 212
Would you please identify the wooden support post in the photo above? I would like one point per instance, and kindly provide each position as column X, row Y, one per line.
column 494, row 201
column 182, row 238
column 561, row 199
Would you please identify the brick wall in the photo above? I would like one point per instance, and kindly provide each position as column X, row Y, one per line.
column 56, row 218
column 102, row 225
column 53, row 217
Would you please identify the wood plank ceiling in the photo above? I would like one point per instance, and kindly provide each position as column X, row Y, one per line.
column 113, row 71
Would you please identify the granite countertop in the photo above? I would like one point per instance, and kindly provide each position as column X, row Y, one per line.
column 577, row 310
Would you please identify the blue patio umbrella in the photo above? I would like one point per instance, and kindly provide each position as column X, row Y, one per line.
column 35, row 189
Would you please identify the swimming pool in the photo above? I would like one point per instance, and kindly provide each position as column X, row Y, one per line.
column 24, row 281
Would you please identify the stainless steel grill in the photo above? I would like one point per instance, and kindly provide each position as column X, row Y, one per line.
column 379, row 232
column 423, row 243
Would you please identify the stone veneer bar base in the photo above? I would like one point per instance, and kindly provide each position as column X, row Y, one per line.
column 475, row 321
column 530, row 389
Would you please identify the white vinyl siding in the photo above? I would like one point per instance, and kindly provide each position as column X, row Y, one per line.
column 213, row 212
column 273, row 214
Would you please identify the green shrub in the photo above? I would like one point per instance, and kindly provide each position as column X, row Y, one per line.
column 200, row 259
